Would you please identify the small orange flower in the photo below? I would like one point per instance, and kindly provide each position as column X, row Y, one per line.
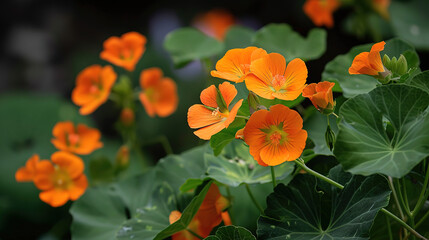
column 320, row 11
column 61, row 182
column 381, row 6
column 80, row 140
column 215, row 23
column 320, row 95
column 27, row 173
column 93, row 85
column 214, row 115
column 210, row 214
column 235, row 65
column 270, row 78
column 275, row 136
column 160, row 93
column 125, row 51
column 370, row 63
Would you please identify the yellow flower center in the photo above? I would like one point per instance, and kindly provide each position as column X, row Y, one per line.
column 220, row 114
column 61, row 179
column 275, row 134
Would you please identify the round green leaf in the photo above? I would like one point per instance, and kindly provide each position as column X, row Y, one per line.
column 189, row 44
column 280, row 38
column 421, row 81
column 384, row 131
column 337, row 70
column 232, row 233
column 310, row 209
column 236, row 166
column 238, row 37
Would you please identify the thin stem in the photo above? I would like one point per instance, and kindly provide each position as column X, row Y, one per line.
column 253, row 198
column 401, row 213
column 422, row 219
column 166, row 144
column 273, row 177
column 301, row 163
column 407, row 210
column 244, row 117
column 327, row 117
column 194, row 233
column 389, row 229
column 335, row 115
column 423, row 195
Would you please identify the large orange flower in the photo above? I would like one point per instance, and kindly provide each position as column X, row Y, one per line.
column 235, row 65
column 93, row 85
column 320, row 11
column 125, row 51
column 159, row 96
column 214, row 115
column 215, row 23
column 27, row 173
column 210, row 214
column 275, row 136
column 369, row 63
column 80, row 140
column 270, row 78
column 61, row 182
column 321, row 96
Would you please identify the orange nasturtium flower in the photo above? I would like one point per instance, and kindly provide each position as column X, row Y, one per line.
column 159, row 96
column 210, row 214
column 61, row 182
column 381, row 6
column 79, row 140
column 320, row 11
column 275, row 136
column 27, row 173
column 125, row 51
column 214, row 115
column 321, row 96
column 235, row 65
column 215, row 23
column 370, row 63
column 93, row 85
column 270, row 78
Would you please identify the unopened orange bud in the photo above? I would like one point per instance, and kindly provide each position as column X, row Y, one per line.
column 127, row 116
column 123, row 157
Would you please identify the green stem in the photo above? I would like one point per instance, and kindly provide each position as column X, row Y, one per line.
column 327, row 117
column 395, row 197
column 301, row 163
column 254, row 199
column 194, row 233
column 401, row 198
column 335, row 115
column 166, row 144
column 273, row 177
column 423, row 195
column 422, row 219
column 244, row 117
column 389, row 229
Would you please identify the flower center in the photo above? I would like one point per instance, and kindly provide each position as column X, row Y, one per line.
column 61, row 179
column 126, row 54
column 275, row 138
column 220, row 114
column 278, row 80
column 73, row 139
column 93, row 89
column 245, row 67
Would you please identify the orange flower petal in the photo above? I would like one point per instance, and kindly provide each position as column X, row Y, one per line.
column 207, row 132
column 208, row 96
column 174, row 216
column 27, row 173
column 150, row 77
column 258, row 86
column 54, row 197
column 199, row 116
column 43, row 179
column 78, row 188
column 233, row 113
column 228, row 92
column 168, row 100
column 368, row 63
column 69, row 162
column 320, row 12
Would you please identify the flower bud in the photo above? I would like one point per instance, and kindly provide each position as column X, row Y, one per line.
column 122, row 158
column 401, row 65
column 330, row 137
column 254, row 103
column 127, row 116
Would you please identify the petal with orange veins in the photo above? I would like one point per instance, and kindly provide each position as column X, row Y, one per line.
column 378, row 47
column 150, row 77
column 54, row 197
column 234, row 65
column 309, row 90
column 206, row 133
column 260, row 68
column 199, row 116
column 259, row 87
column 208, row 96
column 361, row 65
column 78, row 188
column 240, row 134
column 296, row 144
column 276, row 63
column 233, row 113
column 69, row 162
column 228, row 92
column 257, row 53
column 295, row 76
column 274, row 155
column 375, row 62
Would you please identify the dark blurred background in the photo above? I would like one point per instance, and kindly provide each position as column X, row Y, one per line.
column 45, row 44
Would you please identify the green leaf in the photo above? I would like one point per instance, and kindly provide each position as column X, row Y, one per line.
column 101, row 170
column 316, row 125
column 384, row 131
column 232, row 233
column 421, row 81
column 187, row 215
column 310, row 209
column 238, row 37
column 223, row 138
column 236, row 166
column 191, row 184
column 188, row 44
column 409, row 21
column 337, row 70
column 280, row 38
